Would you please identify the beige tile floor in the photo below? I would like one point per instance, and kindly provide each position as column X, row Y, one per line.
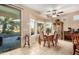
column 64, row 48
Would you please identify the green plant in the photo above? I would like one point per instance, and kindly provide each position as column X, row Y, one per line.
column 8, row 25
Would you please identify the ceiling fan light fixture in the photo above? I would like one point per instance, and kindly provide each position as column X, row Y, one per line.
column 54, row 13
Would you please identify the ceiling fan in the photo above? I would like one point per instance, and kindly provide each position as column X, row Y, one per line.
column 53, row 13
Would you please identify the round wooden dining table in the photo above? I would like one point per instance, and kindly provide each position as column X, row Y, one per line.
column 49, row 39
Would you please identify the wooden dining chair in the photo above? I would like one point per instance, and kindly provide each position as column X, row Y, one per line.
column 48, row 39
column 75, row 40
column 26, row 39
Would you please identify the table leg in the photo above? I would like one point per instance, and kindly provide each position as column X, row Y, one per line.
column 48, row 42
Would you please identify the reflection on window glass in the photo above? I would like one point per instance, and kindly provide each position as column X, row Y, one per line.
column 9, row 25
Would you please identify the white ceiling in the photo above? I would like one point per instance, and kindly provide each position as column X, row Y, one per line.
column 60, row 7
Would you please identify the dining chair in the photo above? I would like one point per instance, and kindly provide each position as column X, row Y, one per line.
column 75, row 40
column 26, row 39
column 48, row 39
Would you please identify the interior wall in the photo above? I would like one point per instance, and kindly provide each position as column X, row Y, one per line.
column 69, row 21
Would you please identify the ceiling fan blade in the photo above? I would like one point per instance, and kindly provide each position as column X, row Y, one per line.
column 60, row 12
column 58, row 15
column 48, row 11
column 54, row 10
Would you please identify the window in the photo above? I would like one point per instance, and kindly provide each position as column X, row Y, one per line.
column 40, row 27
column 9, row 28
column 49, row 27
column 32, row 26
column 76, row 17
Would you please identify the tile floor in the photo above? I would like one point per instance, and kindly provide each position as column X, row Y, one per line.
column 64, row 48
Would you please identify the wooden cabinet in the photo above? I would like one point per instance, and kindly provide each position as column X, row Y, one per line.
column 67, row 35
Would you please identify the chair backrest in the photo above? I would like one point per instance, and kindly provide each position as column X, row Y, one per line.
column 75, row 38
column 26, row 37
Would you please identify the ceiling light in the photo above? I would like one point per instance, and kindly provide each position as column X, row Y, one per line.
column 53, row 13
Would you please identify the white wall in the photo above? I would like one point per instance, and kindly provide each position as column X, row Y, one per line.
column 69, row 21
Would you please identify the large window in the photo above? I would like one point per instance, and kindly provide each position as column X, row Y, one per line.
column 32, row 26
column 9, row 28
column 76, row 17
column 40, row 27
column 48, row 27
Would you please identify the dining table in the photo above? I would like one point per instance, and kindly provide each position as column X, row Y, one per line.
column 49, row 39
